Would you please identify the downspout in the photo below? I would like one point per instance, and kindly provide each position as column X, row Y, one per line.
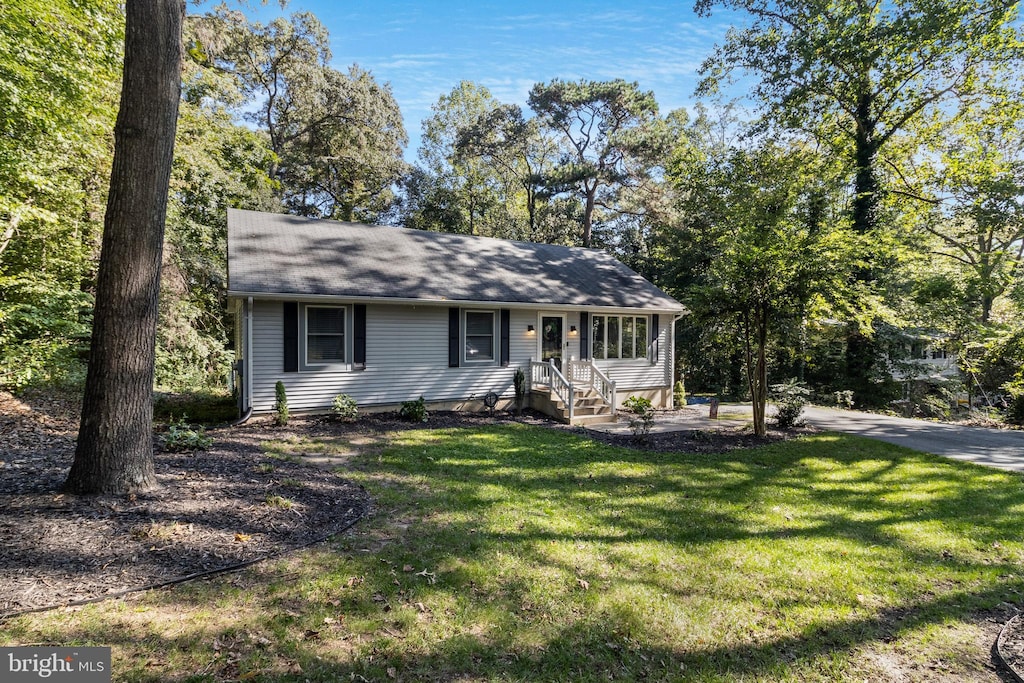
column 672, row 365
column 248, row 361
column 249, row 351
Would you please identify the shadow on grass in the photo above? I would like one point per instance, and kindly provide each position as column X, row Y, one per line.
column 515, row 553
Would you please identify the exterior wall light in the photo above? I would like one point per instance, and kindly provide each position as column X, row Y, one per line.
column 529, row 329
column 572, row 329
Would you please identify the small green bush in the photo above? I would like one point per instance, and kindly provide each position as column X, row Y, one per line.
column 519, row 382
column 280, row 502
column 281, row 404
column 182, row 436
column 679, row 393
column 643, row 416
column 789, row 398
column 344, row 407
column 414, row 411
column 1015, row 413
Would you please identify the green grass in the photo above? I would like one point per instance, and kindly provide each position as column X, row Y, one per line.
column 525, row 554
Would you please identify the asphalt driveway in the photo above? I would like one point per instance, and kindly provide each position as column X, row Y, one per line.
column 993, row 447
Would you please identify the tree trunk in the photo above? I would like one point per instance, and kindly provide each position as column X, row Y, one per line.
column 860, row 348
column 115, row 438
column 757, row 366
column 588, row 214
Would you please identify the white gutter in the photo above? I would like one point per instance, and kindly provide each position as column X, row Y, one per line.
column 533, row 305
column 672, row 365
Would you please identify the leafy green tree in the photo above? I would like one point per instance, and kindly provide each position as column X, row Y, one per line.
column 605, row 132
column 758, row 254
column 971, row 182
column 521, row 156
column 338, row 137
column 857, row 74
column 59, row 69
column 464, row 190
column 862, row 71
column 218, row 163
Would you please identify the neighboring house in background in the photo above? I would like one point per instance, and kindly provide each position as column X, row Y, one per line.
column 926, row 358
column 387, row 315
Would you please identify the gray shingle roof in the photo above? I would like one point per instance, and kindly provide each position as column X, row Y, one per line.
column 289, row 255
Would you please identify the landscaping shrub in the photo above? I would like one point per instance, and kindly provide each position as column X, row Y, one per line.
column 642, row 418
column 344, row 407
column 519, row 382
column 281, row 404
column 679, row 393
column 1015, row 413
column 182, row 436
column 789, row 399
column 414, row 411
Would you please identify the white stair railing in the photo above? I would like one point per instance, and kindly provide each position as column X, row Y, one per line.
column 548, row 375
column 584, row 372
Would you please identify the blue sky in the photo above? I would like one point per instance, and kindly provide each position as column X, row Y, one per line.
column 423, row 49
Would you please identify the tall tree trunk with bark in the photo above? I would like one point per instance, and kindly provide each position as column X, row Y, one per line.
column 115, row 437
column 861, row 350
column 755, row 335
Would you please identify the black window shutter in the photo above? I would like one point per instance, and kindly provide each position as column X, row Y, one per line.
column 506, row 318
column 291, row 336
column 359, row 335
column 654, row 339
column 453, row 338
column 584, row 335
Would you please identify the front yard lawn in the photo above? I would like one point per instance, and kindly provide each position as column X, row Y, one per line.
column 522, row 553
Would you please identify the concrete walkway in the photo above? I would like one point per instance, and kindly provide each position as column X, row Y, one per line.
column 689, row 417
column 999, row 448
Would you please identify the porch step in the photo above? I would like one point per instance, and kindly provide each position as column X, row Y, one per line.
column 589, row 407
column 581, row 411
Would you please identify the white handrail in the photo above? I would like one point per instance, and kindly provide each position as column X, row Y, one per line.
column 586, row 372
column 604, row 386
column 547, row 374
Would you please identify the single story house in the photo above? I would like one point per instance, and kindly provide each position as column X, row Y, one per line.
column 387, row 315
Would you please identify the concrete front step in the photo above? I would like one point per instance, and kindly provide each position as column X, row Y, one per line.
column 593, row 419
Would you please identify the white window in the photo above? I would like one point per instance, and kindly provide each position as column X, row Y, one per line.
column 479, row 337
column 618, row 337
column 325, row 335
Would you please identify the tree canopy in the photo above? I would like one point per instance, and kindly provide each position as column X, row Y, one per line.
column 874, row 201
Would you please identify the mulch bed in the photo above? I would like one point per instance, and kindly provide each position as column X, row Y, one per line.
column 1010, row 646
column 212, row 511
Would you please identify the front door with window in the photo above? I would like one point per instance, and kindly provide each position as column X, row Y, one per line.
column 552, row 338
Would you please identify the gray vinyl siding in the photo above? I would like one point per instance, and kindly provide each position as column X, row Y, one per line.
column 406, row 357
